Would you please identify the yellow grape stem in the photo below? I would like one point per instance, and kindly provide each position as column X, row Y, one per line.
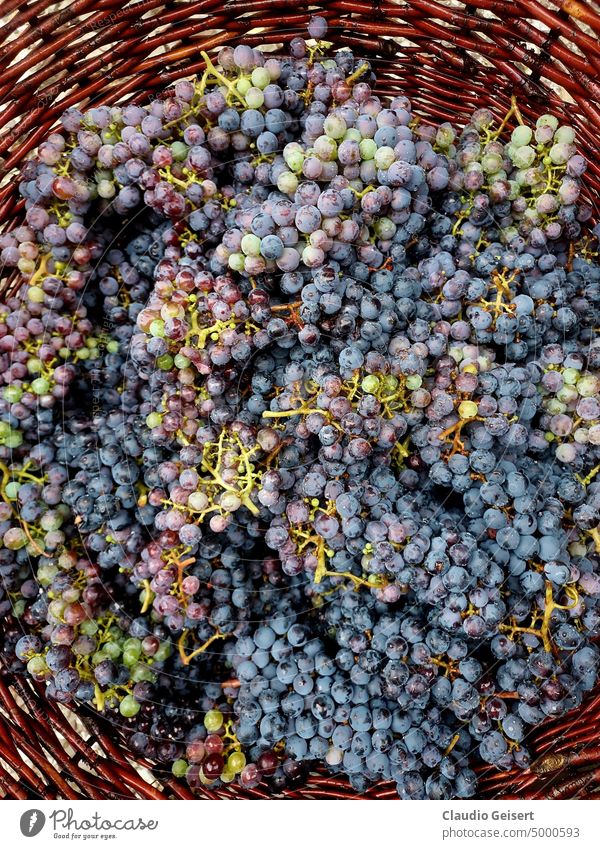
column 187, row 658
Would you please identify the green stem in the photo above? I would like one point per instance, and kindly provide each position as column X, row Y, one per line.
column 223, row 80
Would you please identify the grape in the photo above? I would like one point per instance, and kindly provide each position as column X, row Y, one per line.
column 521, row 136
column 317, row 27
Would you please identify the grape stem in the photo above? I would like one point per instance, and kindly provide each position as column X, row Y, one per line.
column 514, row 110
column 387, row 265
column 148, row 595
column 181, row 565
column 543, row 631
column 6, row 475
column 458, row 446
column 41, row 271
column 301, row 411
column 284, row 307
column 595, row 535
column 357, row 74
column 187, row 658
column 223, row 80
column 452, row 744
column 589, row 477
column 242, row 494
column 99, row 697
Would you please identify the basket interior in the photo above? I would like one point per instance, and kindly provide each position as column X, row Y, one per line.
column 449, row 57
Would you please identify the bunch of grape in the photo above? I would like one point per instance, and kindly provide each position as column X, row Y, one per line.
column 300, row 428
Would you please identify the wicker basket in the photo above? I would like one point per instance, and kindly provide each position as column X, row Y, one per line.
column 449, row 57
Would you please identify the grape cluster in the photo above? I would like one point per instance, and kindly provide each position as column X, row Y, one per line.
column 300, row 429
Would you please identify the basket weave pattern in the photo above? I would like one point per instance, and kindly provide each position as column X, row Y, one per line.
column 449, row 57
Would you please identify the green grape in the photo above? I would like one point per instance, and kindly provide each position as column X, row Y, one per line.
column 521, row 136
column 179, row 151
column 40, row 386
column 571, row 375
column 132, row 644
column 385, row 228
column 14, row 439
column 243, row 85
column 520, row 178
column 13, row 394
column 370, row 384
column 213, row 720
column 181, row 361
column 326, row 148
column 559, row 153
column 334, row 126
column 130, row 658
column 129, row 706
column 18, row 608
column 384, row 156
column 251, row 245
column 588, row 386
column 165, row 362
column 112, row 649
column 179, row 768
column 37, row 666
column 295, row 161
column 491, row 162
column 368, row 148
column 163, row 652
column 27, row 266
column 45, row 575
column 414, row 381
column 509, row 233
column 12, row 490
column 260, row 78
column 567, row 394
column 14, row 539
column 532, row 216
column 254, row 98
column 524, row 156
column 34, row 366
column 352, row 134
column 141, row 672
column 157, row 327
column 51, row 521
column 36, row 295
column 287, row 182
column 236, row 262
column 445, row 135
column 236, row 762
column 106, row 189
column 547, row 120
column 565, row 135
